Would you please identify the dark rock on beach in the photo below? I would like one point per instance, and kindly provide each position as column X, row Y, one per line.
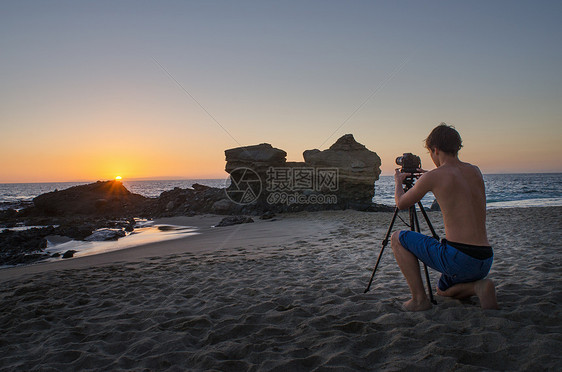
column 8, row 214
column 105, row 234
column 26, row 246
column 196, row 200
column 77, row 213
column 267, row 215
column 13, row 206
column 18, row 247
column 234, row 220
column 69, row 253
column 103, row 198
column 435, row 206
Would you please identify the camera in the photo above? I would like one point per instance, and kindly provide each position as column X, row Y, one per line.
column 409, row 163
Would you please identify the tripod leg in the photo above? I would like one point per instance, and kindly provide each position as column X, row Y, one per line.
column 384, row 243
column 426, row 217
column 429, row 285
column 428, row 222
column 417, row 226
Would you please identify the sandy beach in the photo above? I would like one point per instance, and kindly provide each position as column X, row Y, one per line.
column 284, row 295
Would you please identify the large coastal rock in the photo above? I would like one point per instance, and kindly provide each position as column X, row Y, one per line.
column 346, row 173
column 103, row 198
column 358, row 169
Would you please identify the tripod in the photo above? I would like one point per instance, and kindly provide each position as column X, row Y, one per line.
column 414, row 226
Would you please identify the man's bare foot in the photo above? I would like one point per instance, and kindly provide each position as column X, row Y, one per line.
column 486, row 292
column 484, row 289
column 412, row 305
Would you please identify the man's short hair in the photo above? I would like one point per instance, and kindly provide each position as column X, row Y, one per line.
column 445, row 138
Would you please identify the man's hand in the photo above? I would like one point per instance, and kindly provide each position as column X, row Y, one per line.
column 399, row 177
column 406, row 199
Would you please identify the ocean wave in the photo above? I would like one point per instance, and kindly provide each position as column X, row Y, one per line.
column 525, row 203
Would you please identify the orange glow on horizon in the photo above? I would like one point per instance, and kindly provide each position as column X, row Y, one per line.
column 177, row 158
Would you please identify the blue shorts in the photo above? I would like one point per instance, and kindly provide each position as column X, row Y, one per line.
column 455, row 266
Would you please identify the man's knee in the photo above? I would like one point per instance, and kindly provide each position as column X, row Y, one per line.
column 395, row 241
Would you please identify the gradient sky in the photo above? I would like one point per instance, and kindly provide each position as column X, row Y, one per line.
column 83, row 95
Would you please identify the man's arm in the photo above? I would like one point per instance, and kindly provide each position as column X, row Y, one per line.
column 404, row 200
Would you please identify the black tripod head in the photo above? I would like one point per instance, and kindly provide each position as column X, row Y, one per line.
column 409, row 182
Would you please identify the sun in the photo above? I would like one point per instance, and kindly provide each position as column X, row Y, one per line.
column 118, row 178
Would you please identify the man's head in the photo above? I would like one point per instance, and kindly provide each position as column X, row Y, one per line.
column 444, row 138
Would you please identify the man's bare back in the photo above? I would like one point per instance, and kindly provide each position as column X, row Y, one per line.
column 459, row 190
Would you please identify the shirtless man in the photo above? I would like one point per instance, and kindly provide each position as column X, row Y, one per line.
column 464, row 257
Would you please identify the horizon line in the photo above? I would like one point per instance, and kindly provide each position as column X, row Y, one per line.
column 178, row 178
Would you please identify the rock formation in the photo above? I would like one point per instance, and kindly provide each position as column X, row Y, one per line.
column 358, row 169
column 346, row 171
column 103, row 198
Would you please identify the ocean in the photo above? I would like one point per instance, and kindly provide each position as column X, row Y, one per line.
column 502, row 190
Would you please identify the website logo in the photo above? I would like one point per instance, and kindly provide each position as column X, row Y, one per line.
column 245, row 186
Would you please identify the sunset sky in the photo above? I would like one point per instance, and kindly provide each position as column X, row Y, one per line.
column 93, row 89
